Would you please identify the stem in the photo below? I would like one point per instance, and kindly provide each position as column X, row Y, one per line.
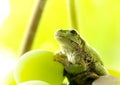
column 32, row 27
column 73, row 14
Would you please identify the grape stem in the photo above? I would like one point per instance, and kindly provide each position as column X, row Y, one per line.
column 72, row 11
column 32, row 26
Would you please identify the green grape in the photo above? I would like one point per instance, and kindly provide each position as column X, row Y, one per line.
column 39, row 65
column 34, row 82
column 107, row 80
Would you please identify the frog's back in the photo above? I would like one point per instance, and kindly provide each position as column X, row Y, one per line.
column 95, row 55
column 99, row 67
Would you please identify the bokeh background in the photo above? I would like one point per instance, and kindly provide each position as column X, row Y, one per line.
column 99, row 24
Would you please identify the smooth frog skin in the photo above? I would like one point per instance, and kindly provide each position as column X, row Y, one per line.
column 81, row 62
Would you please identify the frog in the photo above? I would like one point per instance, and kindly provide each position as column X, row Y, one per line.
column 82, row 63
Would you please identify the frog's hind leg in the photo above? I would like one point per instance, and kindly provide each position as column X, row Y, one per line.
column 100, row 69
column 85, row 78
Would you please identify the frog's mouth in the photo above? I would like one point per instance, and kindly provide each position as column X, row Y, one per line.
column 68, row 39
column 62, row 39
column 66, row 42
column 60, row 35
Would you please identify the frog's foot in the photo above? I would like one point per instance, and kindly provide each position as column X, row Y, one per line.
column 60, row 57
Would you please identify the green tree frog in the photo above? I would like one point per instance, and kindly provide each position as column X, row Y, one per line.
column 82, row 64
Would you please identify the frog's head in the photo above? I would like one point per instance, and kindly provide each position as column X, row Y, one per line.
column 69, row 38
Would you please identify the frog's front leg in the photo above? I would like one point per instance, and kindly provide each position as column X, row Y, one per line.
column 68, row 66
column 61, row 58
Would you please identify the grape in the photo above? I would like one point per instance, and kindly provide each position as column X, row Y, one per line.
column 107, row 80
column 34, row 82
column 39, row 65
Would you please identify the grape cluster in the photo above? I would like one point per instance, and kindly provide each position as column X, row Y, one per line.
column 38, row 68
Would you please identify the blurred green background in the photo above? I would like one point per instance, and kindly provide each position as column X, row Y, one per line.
column 99, row 24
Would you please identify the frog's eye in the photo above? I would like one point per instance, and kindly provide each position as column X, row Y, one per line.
column 73, row 32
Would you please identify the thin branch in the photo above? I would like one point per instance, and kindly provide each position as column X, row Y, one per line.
column 73, row 14
column 32, row 27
